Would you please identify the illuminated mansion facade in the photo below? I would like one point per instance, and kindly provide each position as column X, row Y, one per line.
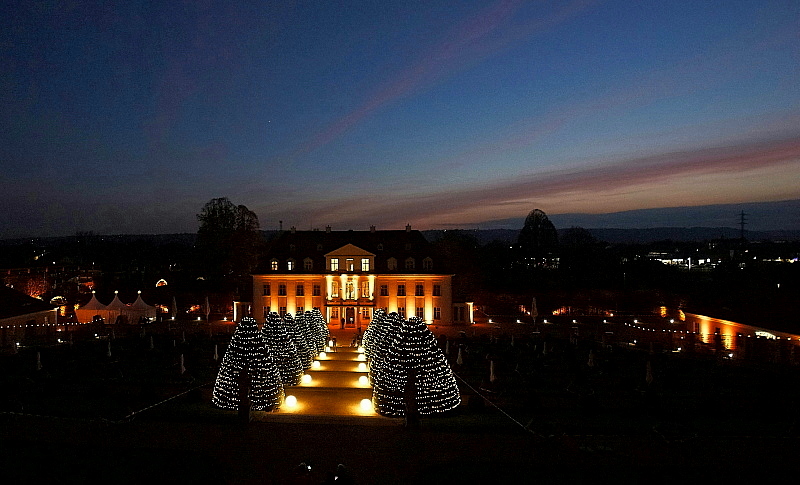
column 348, row 275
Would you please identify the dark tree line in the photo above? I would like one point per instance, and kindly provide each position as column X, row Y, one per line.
column 570, row 267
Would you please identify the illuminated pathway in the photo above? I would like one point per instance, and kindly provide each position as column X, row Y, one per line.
column 335, row 385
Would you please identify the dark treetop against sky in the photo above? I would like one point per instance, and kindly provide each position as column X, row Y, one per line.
column 127, row 116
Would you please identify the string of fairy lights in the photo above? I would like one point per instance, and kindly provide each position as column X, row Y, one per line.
column 248, row 353
column 377, row 355
column 409, row 370
column 284, row 352
column 267, row 359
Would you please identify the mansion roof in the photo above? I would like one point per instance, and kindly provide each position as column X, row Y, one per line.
column 400, row 245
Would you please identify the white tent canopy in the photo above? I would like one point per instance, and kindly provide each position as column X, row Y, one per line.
column 139, row 309
column 87, row 312
column 132, row 313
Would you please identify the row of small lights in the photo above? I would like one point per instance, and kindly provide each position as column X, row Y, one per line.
column 225, row 319
column 685, row 331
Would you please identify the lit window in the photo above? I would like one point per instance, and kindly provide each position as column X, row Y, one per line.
column 365, row 289
column 420, row 312
column 437, row 313
column 334, row 264
column 265, row 290
column 401, row 290
column 410, row 263
column 419, row 290
column 365, row 313
column 300, row 290
column 281, row 290
column 290, row 265
column 437, row 290
column 364, row 264
column 335, row 289
column 317, row 290
column 274, row 265
column 384, row 290
column 350, row 266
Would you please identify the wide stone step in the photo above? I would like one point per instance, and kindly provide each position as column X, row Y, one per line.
column 339, row 366
column 335, row 379
column 328, row 402
column 342, row 355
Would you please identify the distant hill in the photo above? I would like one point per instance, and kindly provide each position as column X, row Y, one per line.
column 632, row 236
column 637, row 236
column 760, row 217
column 483, row 236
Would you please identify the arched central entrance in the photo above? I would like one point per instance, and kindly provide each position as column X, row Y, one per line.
column 350, row 317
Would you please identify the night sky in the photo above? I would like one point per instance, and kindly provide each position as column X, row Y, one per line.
column 126, row 117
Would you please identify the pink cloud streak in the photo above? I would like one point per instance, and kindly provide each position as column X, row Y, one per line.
column 470, row 41
column 507, row 198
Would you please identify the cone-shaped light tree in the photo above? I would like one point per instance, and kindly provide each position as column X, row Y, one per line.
column 283, row 350
column 305, row 330
column 299, row 333
column 248, row 355
column 322, row 332
column 388, row 331
column 316, row 330
column 415, row 369
column 374, row 329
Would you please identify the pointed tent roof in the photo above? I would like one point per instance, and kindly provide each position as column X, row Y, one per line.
column 116, row 304
column 139, row 304
column 94, row 304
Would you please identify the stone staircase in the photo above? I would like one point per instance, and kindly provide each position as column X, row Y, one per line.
column 335, row 391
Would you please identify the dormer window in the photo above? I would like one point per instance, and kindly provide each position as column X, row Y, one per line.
column 427, row 264
column 319, row 247
column 308, row 264
column 410, row 263
column 273, row 265
column 292, row 247
column 392, row 264
column 380, row 247
column 290, row 265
